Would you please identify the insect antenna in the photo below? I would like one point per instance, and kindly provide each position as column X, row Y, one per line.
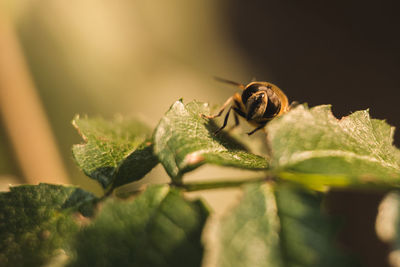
column 241, row 86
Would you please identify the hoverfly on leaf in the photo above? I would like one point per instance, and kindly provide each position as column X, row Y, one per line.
column 259, row 103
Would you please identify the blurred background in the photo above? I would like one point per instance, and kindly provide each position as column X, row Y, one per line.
column 61, row 58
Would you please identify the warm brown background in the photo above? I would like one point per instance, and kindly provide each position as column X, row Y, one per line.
column 345, row 53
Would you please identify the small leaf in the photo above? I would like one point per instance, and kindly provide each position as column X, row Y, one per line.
column 158, row 228
column 309, row 143
column 36, row 222
column 115, row 152
column 183, row 141
column 280, row 226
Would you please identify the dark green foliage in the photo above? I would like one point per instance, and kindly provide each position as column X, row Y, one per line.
column 158, row 228
column 276, row 223
column 278, row 226
column 36, row 222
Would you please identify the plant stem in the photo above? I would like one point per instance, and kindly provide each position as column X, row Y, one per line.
column 197, row 186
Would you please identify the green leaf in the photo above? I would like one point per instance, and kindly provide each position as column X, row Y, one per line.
column 115, row 152
column 158, row 228
column 36, row 222
column 183, row 141
column 311, row 145
column 280, row 226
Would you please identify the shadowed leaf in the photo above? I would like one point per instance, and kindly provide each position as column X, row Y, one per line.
column 36, row 222
column 115, row 152
column 278, row 226
column 158, row 228
column 183, row 141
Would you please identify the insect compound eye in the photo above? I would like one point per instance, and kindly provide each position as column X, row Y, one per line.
column 256, row 105
column 274, row 104
column 273, row 97
column 248, row 92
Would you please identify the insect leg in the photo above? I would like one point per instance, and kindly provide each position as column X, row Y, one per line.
column 225, row 121
column 256, row 129
column 241, row 113
column 236, row 119
column 220, row 111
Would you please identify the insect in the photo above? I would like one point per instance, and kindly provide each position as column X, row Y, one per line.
column 259, row 103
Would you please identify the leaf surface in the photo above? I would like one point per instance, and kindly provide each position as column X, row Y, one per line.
column 36, row 222
column 115, row 152
column 278, row 226
column 311, row 144
column 158, row 228
column 183, row 141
